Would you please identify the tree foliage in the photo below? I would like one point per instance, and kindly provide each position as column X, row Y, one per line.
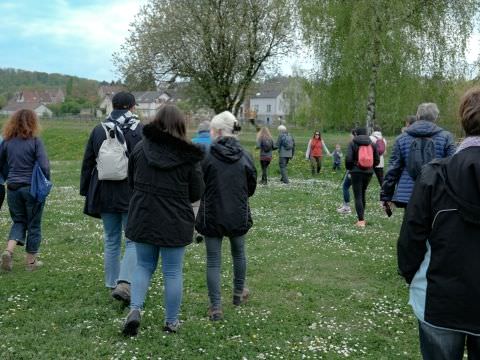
column 379, row 58
column 219, row 45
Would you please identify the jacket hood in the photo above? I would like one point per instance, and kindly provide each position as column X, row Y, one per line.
column 422, row 128
column 461, row 176
column 165, row 151
column 377, row 134
column 227, row 149
column 362, row 140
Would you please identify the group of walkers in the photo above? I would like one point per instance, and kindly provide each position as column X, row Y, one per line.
column 156, row 186
column 150, row 197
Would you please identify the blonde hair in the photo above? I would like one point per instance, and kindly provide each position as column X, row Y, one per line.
column 264, row 134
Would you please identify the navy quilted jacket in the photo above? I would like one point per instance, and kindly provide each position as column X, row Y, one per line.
column 398, row 185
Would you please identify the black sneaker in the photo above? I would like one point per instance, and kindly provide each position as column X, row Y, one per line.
column 171, row 327
column 122, row 292
column 132, row 323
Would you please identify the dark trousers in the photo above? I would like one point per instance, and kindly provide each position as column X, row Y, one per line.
column 283, row 163
column 379, row 174
column 442, row 344
column 264, row 164
column 360, row 183
column 2, row 195
column 316, row 161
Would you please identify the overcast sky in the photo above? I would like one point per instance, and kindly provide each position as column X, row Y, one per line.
column 78, row 37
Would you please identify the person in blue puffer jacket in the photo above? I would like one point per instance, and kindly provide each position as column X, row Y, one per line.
column 398, row 184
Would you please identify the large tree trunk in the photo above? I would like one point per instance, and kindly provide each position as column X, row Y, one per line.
column 372, row 87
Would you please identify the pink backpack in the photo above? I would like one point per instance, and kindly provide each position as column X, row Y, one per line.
column 365, row 157
column 380, row 146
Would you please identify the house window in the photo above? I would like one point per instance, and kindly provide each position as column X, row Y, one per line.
column 269, row 108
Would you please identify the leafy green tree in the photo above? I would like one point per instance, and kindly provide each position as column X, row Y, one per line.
column 386, row 56
column 220, row 45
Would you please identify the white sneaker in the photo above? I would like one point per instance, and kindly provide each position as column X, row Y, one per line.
column 344, row 209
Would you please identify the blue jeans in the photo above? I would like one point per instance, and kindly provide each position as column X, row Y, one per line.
column 115, row 270
column 172, row 270
column 214, row 264
column 347, row 182
column 441, row 344
column 26, row 215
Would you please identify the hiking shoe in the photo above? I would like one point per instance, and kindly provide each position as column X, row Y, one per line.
column 171, row 327
column 7, row 261
column 361, row 224
column 215, row 314
column 132, row 323
column 37, row 264
column 344, row 209
column 240, row 299
column 122, row 292
column 197, row 237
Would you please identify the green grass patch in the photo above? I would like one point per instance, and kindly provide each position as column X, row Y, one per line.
column 321, row 289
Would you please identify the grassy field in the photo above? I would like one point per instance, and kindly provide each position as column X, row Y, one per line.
column 321, row 289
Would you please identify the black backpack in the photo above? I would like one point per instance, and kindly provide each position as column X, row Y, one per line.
column 422, row 151
column 266, row 145
column 288, row 142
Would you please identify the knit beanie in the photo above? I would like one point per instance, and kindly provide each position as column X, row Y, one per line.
column 224, row 121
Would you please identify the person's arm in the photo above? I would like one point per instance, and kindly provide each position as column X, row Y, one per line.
column 307, row 153
column 395, row 168
column 251, row 173
column 350, row 158
column 325, row 148
column 376, row 157
column 197, row 185
column 131, row 171
column 88, row 165
column 416, row 228
column 293, row 148
column 450, row 147
column 42, row 158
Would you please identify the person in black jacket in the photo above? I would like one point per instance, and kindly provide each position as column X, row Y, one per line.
column 439, row 246
column 360, row 174
column 166, row 178
column 109, row 199
column 230, row 179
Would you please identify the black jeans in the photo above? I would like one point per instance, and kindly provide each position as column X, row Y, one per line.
column 360, row 183
column 2, row 195
column 379, row 174
column 316, row 161
column 264, row 164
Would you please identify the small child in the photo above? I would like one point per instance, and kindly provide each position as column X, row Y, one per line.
column 337, row 158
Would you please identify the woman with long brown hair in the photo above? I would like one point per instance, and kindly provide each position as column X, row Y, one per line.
column 19, row 152
column 166, row 178
column 266, row 145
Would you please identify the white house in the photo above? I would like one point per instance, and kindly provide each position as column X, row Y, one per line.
column 40, row 109
column 269, row 106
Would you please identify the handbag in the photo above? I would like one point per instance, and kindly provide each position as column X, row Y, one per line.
column 40, row 186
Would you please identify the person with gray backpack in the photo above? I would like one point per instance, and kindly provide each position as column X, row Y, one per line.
column 286, row 150
column 421, row 143
column 104, row 183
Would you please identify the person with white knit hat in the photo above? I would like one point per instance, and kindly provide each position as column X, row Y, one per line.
column 230, row 179
column 286, row 150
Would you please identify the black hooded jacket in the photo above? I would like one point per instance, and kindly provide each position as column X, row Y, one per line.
column 439, row 244
column 166, row 177
column 351, row 159
column 105, row 196
column 230, row 179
